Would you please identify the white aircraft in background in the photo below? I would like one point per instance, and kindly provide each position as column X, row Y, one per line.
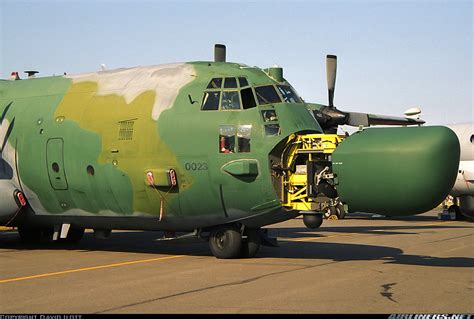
column 463, row 190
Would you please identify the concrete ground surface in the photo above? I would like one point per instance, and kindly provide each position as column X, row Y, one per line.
column 357, row 265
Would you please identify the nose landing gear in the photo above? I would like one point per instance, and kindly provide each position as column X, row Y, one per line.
column 229, row 241
column 225, row 241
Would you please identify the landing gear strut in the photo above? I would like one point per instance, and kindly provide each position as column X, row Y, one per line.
column 251, row 244
column 455, row 209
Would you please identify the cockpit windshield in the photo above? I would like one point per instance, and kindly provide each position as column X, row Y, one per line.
column 235, row 93
column 288, row 94
column 267, row 95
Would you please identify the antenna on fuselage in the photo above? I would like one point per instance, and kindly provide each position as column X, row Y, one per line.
column 219, row 53
column 31, row 74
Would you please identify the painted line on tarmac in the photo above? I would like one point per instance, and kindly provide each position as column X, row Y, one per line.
column 440, row 222
column 91, row 268
column 175, row 257
column 317, row 238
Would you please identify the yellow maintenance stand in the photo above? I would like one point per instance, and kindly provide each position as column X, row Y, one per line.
column 308, row 160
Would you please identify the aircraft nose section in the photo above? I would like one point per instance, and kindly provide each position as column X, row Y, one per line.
column 396, row 171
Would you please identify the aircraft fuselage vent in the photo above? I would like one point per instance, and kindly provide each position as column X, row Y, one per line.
column 126, row 130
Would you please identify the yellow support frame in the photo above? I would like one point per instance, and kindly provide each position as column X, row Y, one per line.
column 295, row 184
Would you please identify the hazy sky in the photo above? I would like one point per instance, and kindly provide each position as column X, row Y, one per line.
column 391, row 55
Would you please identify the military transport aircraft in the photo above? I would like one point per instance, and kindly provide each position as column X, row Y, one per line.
column 212, row 148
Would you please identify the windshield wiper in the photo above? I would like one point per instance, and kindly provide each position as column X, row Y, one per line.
column 263, row 98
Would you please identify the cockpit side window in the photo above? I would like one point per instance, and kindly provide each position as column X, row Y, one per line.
column 272, row 129
column 269, row 115
column 227, row 138
column 288, row 94
column 267, row 95
column 243, row 138
column 248, row 100
column 215, row 83
column 243, row 82
column 211, row 101
column 234, row 138
column 230, row 100
column 230, row 83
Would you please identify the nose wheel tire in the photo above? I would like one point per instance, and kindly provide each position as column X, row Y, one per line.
column 225, row 242
column 335, row 212
column 330, row 213
column 341, row 213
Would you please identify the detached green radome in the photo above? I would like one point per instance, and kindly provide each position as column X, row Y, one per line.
column 396, row 171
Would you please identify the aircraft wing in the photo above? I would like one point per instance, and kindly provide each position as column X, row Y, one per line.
column 356, row 119
column 331, row 116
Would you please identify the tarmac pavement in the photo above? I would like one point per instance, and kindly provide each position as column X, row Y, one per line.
column 357, row 265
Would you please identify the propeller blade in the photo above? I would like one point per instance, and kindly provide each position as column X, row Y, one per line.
column 331, row 68
column 329, row 117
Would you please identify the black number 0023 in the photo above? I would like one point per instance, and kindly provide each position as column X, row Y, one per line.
column 195, row 166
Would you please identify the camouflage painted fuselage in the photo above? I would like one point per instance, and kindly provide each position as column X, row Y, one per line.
column 80, row 147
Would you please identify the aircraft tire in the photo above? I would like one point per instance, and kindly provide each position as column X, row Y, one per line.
column 30, row 235
column 313, row 221
column 251, row 246
column 328, row 212
column 340, row 212
column 225, row 242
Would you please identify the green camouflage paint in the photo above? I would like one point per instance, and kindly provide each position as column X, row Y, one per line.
column 105, row 130
column 403, row 170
